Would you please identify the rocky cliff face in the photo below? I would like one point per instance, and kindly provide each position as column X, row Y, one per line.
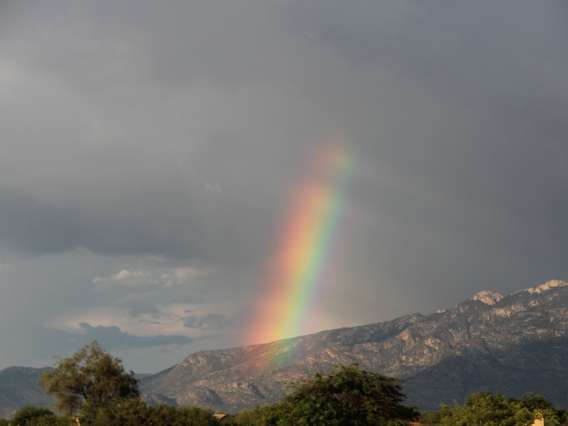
column 516, row 343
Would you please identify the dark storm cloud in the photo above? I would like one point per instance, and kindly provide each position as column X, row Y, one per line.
column 178, row 131
column 507, row 78
column 488, row 168
column 494, row 162
column 30, row 224
column 141, row 168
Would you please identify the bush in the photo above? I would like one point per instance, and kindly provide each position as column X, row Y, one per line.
column 347, row 396
column 135, row 412
column 28, row 415
column 495, row 410
column 52, row 421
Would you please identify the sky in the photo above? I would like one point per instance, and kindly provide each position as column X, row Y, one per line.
column 151, row 153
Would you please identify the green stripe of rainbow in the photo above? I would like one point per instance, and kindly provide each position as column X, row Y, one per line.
column 306, row 252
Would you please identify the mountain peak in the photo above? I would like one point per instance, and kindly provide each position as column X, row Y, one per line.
column 488, row 297
column 547, row 286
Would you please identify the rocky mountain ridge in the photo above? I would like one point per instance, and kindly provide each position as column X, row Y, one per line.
column 517, row 343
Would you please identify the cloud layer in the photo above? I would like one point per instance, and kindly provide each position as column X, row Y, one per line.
column 149, row 154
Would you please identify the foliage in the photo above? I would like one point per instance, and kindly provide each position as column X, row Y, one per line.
column 430, row 418
column 131, row 411
column 534, row 402
column 249, row 417
column 35, row 416
column 496, row 410
column 194, row 416
column 53, row 421
column 28, row 414
column 480, row 408
column 95, row 385
column 119, row 412
column 90, row 373
column 489, row 409
column 267, row 415
column 346, row 396
column 135, row 412
column 45, row 420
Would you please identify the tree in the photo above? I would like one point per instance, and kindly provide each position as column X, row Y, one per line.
column 91, row 373
column 28, row 414
column 495, row 410
column 535, row 402
column 487, row 409
column 36, row 416
column 347, row 396
column 135, row 412
column 120, row 412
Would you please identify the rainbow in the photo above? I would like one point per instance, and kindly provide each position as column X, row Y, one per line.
column 308, row 247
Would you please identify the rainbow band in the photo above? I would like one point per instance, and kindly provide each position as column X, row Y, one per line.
column 307, row 249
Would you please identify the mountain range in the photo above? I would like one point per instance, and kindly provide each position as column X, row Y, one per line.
column 514, row 343
column 18, row 387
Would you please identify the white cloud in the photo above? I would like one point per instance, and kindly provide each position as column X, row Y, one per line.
column 126, row 278
column 183, row 275
column 124, row 274
column 161, row 277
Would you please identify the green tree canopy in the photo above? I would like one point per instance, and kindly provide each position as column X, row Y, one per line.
column 28, row 414
column 491, row 409
column 91, row 373
column 135, row 412
column 36, row 416
column 347, row 396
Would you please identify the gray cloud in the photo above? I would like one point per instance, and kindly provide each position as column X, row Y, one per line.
column 483, row 142
column 46, row 342
column 207, row 322
column 180, row 132
column 112, row 337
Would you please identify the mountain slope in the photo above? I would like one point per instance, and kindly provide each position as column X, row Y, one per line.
column 517, row 343
column 18, row 387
